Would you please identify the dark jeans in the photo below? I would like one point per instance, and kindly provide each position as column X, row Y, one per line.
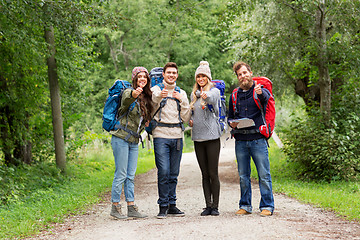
column 168, row 154
column 207, row 154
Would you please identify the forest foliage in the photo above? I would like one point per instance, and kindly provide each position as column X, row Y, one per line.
column 100, row 41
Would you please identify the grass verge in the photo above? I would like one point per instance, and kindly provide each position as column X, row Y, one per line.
column 341, row 197
column 45, row 198
column 87, row 179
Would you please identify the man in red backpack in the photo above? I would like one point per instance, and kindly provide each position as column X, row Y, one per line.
column 246, row 118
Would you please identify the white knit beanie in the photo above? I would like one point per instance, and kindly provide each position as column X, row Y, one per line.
column 203, row 69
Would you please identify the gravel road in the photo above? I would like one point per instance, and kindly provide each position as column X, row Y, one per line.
column 291, row 220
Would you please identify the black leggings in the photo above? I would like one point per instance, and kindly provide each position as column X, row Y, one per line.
column 207, row 154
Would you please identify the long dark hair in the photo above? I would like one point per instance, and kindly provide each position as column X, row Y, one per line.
column 145, row 98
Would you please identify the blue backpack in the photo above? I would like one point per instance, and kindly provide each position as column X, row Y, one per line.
column 112, row 103
column 220, row 84
column 156, row 76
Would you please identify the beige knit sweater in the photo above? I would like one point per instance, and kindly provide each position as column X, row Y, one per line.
column 169, row 113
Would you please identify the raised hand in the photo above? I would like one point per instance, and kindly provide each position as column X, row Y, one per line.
column 164, row 92
column 258, row 89
column 176, row 95
column 203, row 94
column 137, row 92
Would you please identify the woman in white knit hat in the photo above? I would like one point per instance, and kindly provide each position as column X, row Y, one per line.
column 206, row 132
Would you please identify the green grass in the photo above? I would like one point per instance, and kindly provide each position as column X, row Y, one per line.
column 341, row 197
column 188, row 144
column 88, row 178
column 43, row 196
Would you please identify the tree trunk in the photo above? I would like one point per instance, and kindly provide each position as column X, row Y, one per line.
column 23, row 151
column 55, row 101
column 324, row 78
column 6, row 146
column 22, row 146
column 112, row 52
column 310, row 94
column 123, row 51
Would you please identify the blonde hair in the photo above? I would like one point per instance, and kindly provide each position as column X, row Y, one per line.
column 196, row 87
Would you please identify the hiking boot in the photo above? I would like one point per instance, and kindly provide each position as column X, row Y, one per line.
column 134, row 213
column 206, row 212
column 162, row 212
column 242, row 212
column 215, row 212
column 174, row 211
column 265, row 213
column 116, row 212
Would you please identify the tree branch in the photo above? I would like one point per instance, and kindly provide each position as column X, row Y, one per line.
column 295, row 8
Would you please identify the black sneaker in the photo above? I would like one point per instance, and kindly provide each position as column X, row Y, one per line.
column 215, row 212
column 206, row 212
column 162, row 212
column 174, row 211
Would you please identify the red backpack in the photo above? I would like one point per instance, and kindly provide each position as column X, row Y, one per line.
column 268, row 111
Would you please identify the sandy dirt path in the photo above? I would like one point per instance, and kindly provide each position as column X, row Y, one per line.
column 291, row 219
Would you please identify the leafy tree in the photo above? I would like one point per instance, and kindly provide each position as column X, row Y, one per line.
column 185, row 32
column 297, row 43
column 311, row 48
column 21, row 74
column 25, row 112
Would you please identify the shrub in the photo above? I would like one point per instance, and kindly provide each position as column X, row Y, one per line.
column 325, row 152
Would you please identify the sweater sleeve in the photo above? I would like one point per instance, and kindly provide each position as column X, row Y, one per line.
column 185, row 112
column 126, row 100
column 264, row 97
column 213, row 96
column 156, row 94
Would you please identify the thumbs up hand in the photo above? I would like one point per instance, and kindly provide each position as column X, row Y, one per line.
column 164, row 92
column 203, row 94
column 258, row 89
column 135, row 93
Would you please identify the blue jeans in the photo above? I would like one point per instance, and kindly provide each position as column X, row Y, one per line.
column 125, row 155
column 168, row 154
column 258, row 150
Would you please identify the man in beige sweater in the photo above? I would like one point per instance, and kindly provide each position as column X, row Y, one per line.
column 168, row 137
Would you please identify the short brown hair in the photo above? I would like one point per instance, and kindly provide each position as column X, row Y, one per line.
column 170, row 64
column 239, row 65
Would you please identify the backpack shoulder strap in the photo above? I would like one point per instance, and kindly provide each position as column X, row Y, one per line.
column 161, row 86
column 256, row 99
column 234, row 98
column 258, row 103
column 163, row 102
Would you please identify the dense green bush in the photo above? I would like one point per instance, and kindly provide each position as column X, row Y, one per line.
column 328, row 150
column 325, row 152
